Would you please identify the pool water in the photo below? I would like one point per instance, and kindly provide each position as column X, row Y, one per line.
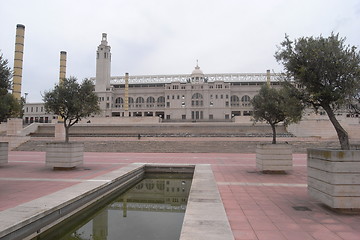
column 153, row 208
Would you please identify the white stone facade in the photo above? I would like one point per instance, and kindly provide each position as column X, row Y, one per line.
column 193, row 97
column 187, row 97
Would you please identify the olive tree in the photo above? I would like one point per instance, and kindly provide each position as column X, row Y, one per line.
column 276, row 105
column 328, row 72
column 9, row 106
column 71, row 101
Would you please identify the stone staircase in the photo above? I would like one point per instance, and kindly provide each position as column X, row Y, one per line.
column 166, row 130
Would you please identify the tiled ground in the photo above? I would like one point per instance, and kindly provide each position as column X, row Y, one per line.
column 258, row 206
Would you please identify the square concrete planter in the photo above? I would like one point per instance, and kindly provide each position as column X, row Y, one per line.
column 274, row 157
column 334, row 177
column 64, row 155
column 4, row 152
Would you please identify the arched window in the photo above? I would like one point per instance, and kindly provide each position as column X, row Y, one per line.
column 160, row 185
column 161, row 101
column 245, row 101
column 131, row 102
column 245, row 98
column 234, row 101
column 119, row 102
column 197, row 100
column 139, row 101
column 150, row 101
column 139, row 186
column 149, row 185
column 197, row 96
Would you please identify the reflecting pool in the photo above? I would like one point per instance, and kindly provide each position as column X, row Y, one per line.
column 153, row 208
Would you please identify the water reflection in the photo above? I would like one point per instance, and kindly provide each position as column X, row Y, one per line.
column 152, row 209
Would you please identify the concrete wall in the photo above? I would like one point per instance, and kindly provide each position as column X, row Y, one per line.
column 121, row 120
column 14, row 126
column 164, row 128
column 243, row 119
column 14, row 141
column 322, row 127
column 3, row 126
column 334, row 177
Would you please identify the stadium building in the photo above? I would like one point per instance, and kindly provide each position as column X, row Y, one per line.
column 183, row 97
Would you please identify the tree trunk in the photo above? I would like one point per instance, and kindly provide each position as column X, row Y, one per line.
column 274, row 133
column 66, row 132
column 341, row 132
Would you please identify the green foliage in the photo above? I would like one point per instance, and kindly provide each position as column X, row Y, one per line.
column 5, row 76
column 328, row 72
column 275, row 106
column 9, row 106
column 72, row 101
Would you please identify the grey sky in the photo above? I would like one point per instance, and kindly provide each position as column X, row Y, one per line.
column 164, row 36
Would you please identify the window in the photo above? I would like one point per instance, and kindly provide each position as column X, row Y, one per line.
column 139, row 101
column 197, row 100
column 245, row 98
column 131, row 102
column 183, row 117
column 234, row 101
column 161, row 101
column 119, row 102
column 150, row 101
column 245, row 101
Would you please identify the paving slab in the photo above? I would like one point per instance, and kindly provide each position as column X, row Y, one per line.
column 257, row 205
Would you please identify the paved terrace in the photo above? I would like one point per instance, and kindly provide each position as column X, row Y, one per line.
column 258, row 206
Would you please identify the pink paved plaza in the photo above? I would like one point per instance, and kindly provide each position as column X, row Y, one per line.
column 258, row 206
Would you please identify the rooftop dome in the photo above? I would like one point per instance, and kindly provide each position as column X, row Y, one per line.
column 197, row 71
column 197, row 76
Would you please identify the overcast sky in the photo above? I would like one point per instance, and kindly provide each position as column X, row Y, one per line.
column 164, row 36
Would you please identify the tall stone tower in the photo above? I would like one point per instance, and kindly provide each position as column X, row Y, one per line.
column 62, row 73
column 103, row 69
column 18, row 61
column 103, row 65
